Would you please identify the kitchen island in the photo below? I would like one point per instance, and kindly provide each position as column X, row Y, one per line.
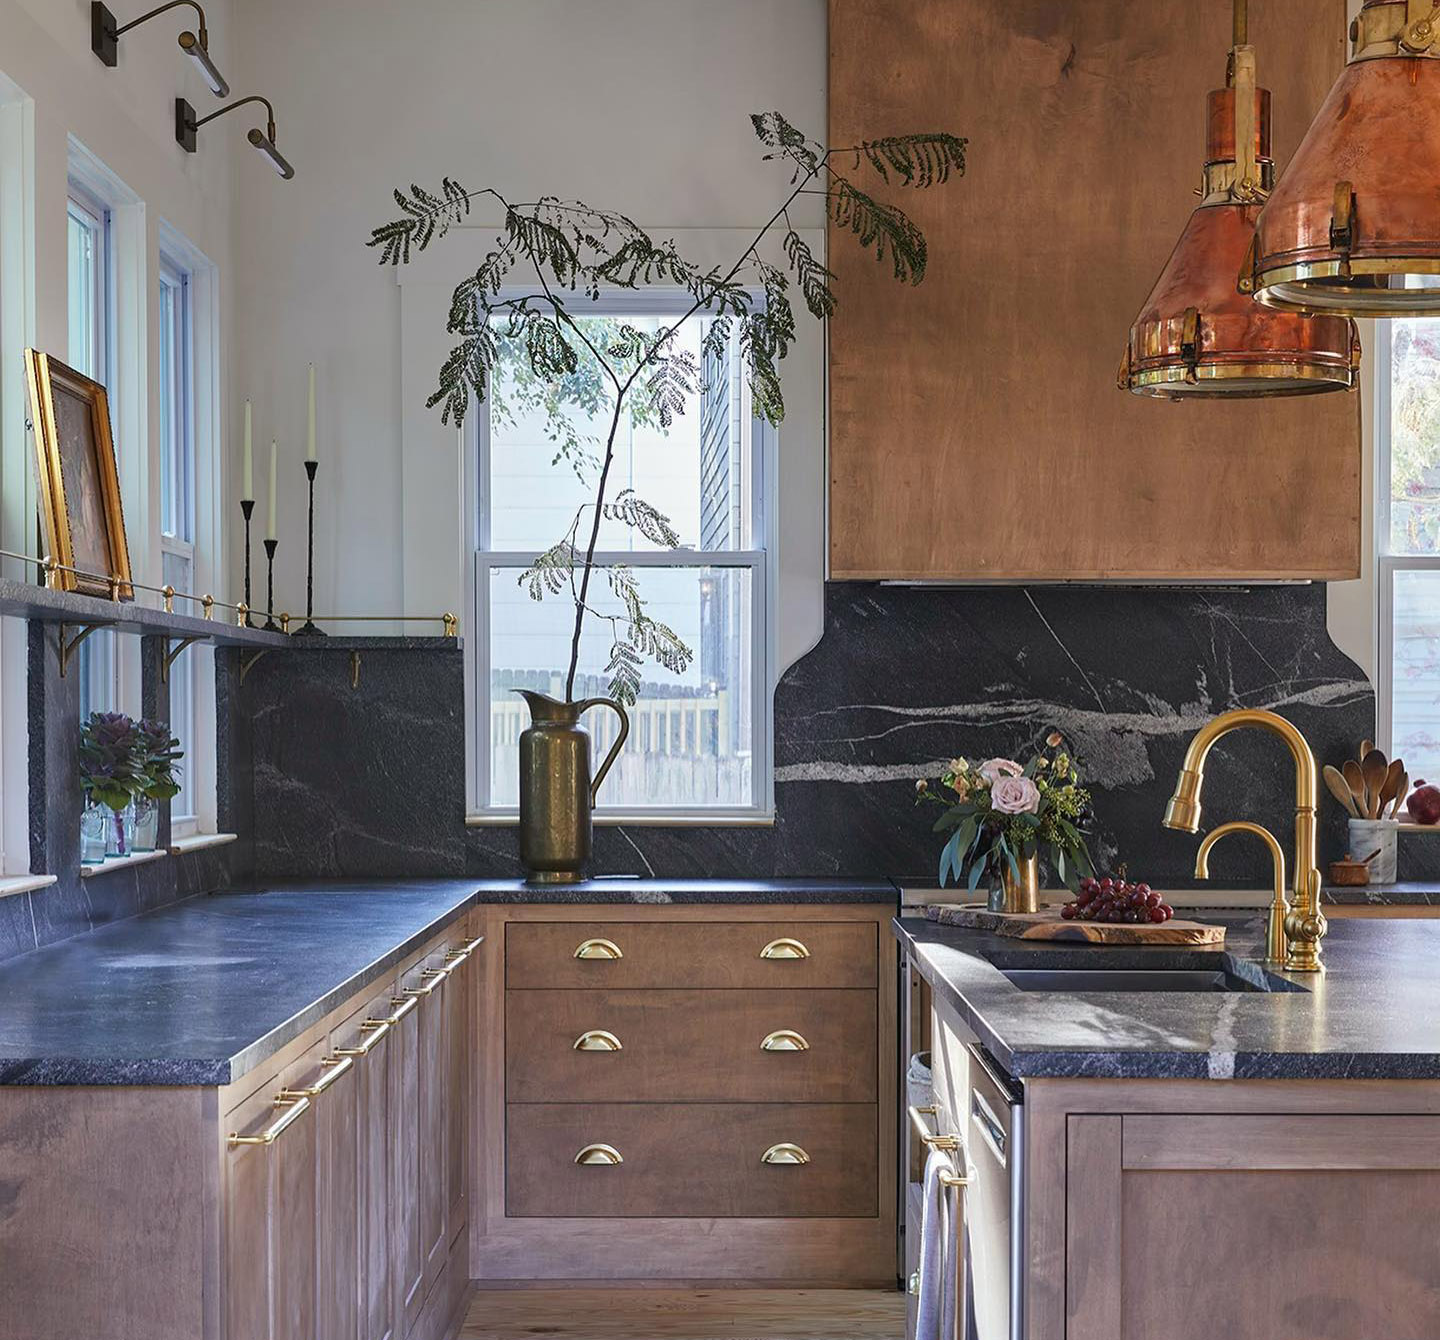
column 1244, row 1154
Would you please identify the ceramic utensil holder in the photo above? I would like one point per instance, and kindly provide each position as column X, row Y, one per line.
column 1378, row 836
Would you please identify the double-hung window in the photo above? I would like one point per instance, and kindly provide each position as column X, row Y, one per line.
column 177, row 507
column 699, row 741
column 90, row 350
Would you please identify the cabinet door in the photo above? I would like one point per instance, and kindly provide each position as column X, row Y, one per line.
column 270, row 1219
column 406, row 1255
column 434, row 1051
column 1251, row 1227
column 460, row 995
column 338, row 1197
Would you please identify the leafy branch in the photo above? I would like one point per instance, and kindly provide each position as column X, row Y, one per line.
column 553, row 357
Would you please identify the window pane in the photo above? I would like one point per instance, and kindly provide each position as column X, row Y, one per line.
column 1415, row 437
column 1415, row 683
column 84, row 240
column 690, row 734
column 545, row 446
column 177, row 570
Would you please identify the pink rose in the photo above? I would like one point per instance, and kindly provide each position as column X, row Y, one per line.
column 1015, row 795
column 997, row 768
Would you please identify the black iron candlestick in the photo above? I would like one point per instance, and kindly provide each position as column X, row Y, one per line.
column 247, row 509
column 309, row 627
column 270, row 625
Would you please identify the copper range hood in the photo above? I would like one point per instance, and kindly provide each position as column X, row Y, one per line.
column 1354, row 225
column 1198, row 335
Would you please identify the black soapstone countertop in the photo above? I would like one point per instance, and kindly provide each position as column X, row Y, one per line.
column 201, row 992
column 1373, row 1014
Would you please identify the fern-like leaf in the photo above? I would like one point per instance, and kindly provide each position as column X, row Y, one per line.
column 465, row 374
column 623, row 667
column 880, row 226
column 545, row 244
column 425, row 216
column 776, row 132
column 550, row 573
column 551, row 355
column 813, row 278
column 633, row 511
column 916, row 160
column 675, row 379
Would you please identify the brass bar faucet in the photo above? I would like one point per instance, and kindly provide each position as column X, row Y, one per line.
column 1304, row 924
column 1276, row 947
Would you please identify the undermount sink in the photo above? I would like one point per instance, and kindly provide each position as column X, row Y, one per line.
column 1215, row 979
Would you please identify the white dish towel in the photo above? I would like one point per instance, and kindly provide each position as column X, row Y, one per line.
column 935, row 1313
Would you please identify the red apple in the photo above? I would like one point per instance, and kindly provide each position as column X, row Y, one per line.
column 1424, row 804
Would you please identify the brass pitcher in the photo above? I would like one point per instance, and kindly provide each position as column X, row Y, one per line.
column 557, row 794
column 1017, row 892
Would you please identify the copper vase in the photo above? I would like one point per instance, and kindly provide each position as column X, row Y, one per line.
column 1018, row 892
column 557, row 792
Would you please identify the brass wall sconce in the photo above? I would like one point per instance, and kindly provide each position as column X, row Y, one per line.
column 186, row 125
column 105, row 40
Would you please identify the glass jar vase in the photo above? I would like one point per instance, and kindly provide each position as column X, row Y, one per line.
column 147, row 824
column 94, row 824
column 120, row 831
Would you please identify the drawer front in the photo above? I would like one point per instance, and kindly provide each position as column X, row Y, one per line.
column 690, row 1046
column 690, row 954
column 691, row 1160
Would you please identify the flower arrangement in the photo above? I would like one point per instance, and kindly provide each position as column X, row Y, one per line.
column 111, row 760
column 159, row 756
column 1003, row 812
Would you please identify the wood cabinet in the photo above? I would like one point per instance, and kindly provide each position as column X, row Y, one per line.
column 320, row 1197
column 976, row 432
column 686, row 1093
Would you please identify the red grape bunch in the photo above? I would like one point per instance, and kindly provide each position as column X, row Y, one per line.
column 1117, row 900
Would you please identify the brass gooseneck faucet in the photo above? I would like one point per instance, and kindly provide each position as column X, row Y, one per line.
column 1302, row 924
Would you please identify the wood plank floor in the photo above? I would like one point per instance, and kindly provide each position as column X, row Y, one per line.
column 686, row 1314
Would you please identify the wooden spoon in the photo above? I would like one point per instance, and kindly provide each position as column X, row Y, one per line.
column 1366, row 747
column 1355, row 780
column 1340, row 789
column 1402, row 793
column 1388, row 788
column 1375, row 769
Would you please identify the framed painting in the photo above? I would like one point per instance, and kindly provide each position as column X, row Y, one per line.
column 79, row 485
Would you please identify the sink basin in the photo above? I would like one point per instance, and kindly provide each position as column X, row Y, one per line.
column 1217, row 979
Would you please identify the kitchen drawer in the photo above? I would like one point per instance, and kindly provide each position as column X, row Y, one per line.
column 690, row 954
column 691, row 1046
column 691, row 1160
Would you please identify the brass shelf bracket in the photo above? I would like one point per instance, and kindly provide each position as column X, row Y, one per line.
column 172, row 652
column 247, row 663
column 68, row 645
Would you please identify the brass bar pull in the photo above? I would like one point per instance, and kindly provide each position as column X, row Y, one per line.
column 432, row 977
column 334, row 1067
column 599, row 1156
column 607, row 949
column 598, row 1040
column 785, row 948
column 372, row 1033
column 458, row 956
column 927, row 1138
column 785, row 1153
column 784, row 1040
column 294, row 1109
column 403, row 1004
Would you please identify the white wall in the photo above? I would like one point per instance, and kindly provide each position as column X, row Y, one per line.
column 53, row 88
column 637, row 105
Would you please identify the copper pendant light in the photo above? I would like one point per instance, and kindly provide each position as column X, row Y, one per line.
column 1197, row 335
column 1354, row 226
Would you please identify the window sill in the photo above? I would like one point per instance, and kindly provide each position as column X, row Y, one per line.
column 13, row 884
column 121, row 862
column 200, row 841
column 658, row 819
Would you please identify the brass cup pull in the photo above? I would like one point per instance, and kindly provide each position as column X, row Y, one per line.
column 372, row 1033
column 599, row 1156
column 432, row 978
column 785, row 948
column 607, row 949
column 334, row 1067
column 784, row 1040
column 785, row 1153
column 598, row 1040
column 293, row 1110
column 455, row 957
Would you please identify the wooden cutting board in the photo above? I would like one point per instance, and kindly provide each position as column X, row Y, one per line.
column 1052, row 926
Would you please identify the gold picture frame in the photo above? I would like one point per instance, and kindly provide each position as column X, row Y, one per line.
column 81, row 513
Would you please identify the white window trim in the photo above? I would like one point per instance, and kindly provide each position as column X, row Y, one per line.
column 207, row 520
column 761, row 563
column 17, row 486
